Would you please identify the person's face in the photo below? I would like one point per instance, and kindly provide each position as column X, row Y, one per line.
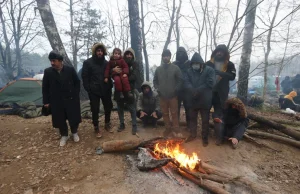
column 146, row 90
column 220, row 54
column 99, row 53
column 117, row 55
column 129, row 55
column 166, row 59
column 56, row 64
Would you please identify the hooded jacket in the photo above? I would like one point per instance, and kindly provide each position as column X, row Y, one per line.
column 198, row 84
column 133, row 68
column 226, row 74
column 93, row 73
column 236, row 115
column 148, row 103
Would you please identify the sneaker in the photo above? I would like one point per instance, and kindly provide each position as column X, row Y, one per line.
column 134, row 129
column 108, row 127
column 63, row 141
column 121, row 127
column 99, row 134
column 204, row 142
column 75, row 137
column 121, row 95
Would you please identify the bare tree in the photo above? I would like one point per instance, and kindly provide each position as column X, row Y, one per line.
column 172, row 22
column 144, row 41
column 177, row 24
column 51, row 30
column 246, row 51
column 136, row 37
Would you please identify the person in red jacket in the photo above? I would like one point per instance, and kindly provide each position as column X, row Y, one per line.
column 120, row 79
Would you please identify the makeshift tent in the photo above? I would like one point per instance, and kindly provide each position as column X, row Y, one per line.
column 22, row 90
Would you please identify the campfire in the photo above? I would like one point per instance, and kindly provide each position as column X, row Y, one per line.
column 174, row 152
column 166, row 155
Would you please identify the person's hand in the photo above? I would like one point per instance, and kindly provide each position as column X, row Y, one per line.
column 234, row 140
column 154, row 114
column 143, row 114
column 117, row 70
column 46, row 105
column 105, row 80
column 124, row 75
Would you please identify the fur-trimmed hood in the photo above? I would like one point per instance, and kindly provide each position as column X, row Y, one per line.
column 96, row 46
column 239, row 104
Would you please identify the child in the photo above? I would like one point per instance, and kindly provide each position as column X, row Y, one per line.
column 121, row 79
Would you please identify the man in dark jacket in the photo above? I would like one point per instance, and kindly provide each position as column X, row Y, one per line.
column 198, row 82
column 93, row 82
column 148, row 109
column 286, row 85
column 167, row 81
column 61, row 87
column 225, row 72
column 236, row 121
column 129, row 57
column 183, row 62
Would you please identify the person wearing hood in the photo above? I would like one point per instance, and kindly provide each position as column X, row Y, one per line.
column 148, row 109
column 288, row 102
column 235, row 120
column 286, row 85
column 225, row 72
column 198, row 83
column 183, row 62
column 167, row 82
column 61, row 88
column 130, row 101
column 93, row 82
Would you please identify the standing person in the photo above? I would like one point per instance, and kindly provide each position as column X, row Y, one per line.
column 167, row 81
column 120, row 79
column 198, row 82
column 129, row 57
column 61, row 87
column 183, row 62
column 225, row 72
column 236, row 121
column 93, row 82
column 148, row 109
column 286, row 85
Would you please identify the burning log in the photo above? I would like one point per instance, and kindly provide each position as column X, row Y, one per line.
column 288, row 131
column 146, row 161
column 285, row 140
column 205, row 184
column 243, row 180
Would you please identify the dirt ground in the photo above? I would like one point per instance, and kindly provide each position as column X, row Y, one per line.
column 32, row 162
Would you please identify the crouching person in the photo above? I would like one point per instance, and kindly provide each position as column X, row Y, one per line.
column 235, row 120
column 199, row 81
column 148, row 109
column 61, row 87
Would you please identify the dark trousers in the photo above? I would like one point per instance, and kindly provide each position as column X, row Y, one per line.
column 64, row 129
column 95, row 107
column 218, row 114
column 194, row 122
column 187, row 118
column 237, row 131
column 132, row 109
column 148, row 118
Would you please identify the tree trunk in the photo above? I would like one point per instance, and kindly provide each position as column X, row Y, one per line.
column 171, row 26
column 177, row 24
column 144, row 42
column 51, row 30
column 73, row 43
column 136, row 38
column 246, row 51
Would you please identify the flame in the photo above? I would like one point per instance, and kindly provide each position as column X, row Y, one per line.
column 174, row 152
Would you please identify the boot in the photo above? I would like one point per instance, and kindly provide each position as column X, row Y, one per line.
column 121, row 127
column 134, row 129
column 204, row 142
column 108, row 127
column 219, row 132
column 190, row 138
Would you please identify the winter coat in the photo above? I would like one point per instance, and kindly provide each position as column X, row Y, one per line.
column 133, row 69
column 148, row 103
column 61, row 91
column 235, row 116
column 198, row 85
column 93, row 74
column 227, row 74
column 116, row 63
column 167, row 80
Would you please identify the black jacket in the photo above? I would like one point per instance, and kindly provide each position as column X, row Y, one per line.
column 222, row 85
column 198, row 85
column 61, row 91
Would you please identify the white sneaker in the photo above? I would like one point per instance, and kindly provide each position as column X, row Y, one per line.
column 75, row 137
column 63, row 141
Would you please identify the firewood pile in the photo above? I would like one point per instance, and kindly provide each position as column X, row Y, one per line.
column 167, row 155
